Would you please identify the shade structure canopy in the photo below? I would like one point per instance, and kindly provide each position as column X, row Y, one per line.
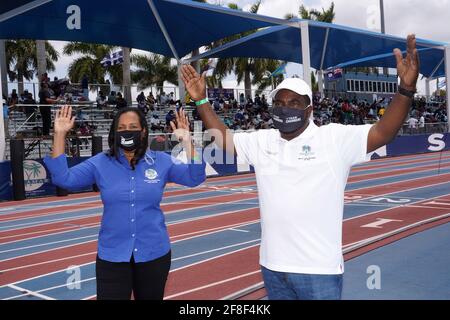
column 330, row 45
column 169, row 27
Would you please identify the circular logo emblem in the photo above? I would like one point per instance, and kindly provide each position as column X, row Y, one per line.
column 151, row 174
column 34, row 174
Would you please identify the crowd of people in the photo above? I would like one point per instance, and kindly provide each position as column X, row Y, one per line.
column 250, row 115
column 243, row 113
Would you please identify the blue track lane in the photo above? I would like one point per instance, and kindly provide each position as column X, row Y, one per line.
column 197, row 249
column 416, row 267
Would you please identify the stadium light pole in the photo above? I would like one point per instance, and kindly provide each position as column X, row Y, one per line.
column 383, row 30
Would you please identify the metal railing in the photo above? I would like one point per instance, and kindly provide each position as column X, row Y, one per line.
column 81, row 145
column 428, row 128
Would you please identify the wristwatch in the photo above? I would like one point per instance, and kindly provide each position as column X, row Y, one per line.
column 406, row 93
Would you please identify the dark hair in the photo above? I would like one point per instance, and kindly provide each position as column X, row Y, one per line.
column 114, row 146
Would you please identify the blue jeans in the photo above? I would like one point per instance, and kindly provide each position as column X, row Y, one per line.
column 298, row 286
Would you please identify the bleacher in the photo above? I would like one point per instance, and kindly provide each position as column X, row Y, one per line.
column 99, row 120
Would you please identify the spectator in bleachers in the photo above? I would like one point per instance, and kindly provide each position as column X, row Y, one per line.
column 44, row 78
column 30, row 111
column 155, row 123
column 264, row 101
column 171, row 99
column 170, row 116
column 141, row 97
column 216, row 105
column 101, row 100
column 422, row 124
column 120, row 101
column 5, row 116
column 85, row 86
column 412, row 124
column 45, row 99
column 13, row 98
column 150, row 101
column 142, row 106
column 163, row 99
column 112, row 98
column 258, row 102
column 241, row 100
column 249, row 103
column 23, row 96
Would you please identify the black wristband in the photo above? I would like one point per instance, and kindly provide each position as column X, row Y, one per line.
column 406, row 93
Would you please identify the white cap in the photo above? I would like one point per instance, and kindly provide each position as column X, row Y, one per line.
column 297, row 85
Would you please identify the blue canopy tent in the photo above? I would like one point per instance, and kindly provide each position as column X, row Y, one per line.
column 330, row 45
column 324, row 45
column 169, row 27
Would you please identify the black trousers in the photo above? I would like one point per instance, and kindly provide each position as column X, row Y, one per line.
column 147, row 280
column 46, row 119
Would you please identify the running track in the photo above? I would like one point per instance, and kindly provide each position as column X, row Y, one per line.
column 214, row 230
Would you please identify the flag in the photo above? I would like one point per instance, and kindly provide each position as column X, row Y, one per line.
column 210, row 66
column 335, row 74
column 280, row 70
column 112, row 59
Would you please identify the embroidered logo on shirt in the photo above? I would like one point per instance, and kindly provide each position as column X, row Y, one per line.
column 151, row 174
column 307, row 153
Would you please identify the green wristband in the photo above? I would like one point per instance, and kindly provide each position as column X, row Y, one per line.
column 199, row 103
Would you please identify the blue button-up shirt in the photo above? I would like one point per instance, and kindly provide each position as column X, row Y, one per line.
column 133, row 222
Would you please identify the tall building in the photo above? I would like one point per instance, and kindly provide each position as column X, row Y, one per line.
column 359, row 85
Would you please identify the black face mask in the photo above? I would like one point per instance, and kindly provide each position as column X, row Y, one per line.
column 289, row 120
column 129, row 140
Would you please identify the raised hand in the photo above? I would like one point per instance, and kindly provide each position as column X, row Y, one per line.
column 408, row 67
column 64, row 120
column 181, row 128
column 194, row 83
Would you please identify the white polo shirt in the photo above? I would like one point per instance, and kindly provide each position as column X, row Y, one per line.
column 301, row 187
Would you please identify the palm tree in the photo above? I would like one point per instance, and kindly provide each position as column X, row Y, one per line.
column 21, row 60
column 153, row 70
column 89, row 63
column 324, row 16
column 249, row 70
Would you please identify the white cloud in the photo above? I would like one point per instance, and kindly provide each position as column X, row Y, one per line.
column 428, row 19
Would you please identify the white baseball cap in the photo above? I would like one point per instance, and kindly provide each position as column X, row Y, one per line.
column 297, row 85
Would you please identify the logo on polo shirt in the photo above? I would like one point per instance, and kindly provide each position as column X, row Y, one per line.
column 151, row 176
column 307, row 153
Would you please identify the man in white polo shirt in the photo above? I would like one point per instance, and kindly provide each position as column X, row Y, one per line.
column 301, row 172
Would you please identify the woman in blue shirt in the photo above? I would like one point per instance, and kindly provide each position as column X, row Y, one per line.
column 133, row 246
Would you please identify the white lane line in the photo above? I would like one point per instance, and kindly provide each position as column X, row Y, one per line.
column 28, row 292
column 212, row 284
column 48, row 243
column 238, row 230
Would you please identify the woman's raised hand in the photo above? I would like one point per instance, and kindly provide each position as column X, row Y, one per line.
column 64, row 121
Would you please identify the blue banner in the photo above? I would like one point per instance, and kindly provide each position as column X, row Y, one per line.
column 37, row 178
